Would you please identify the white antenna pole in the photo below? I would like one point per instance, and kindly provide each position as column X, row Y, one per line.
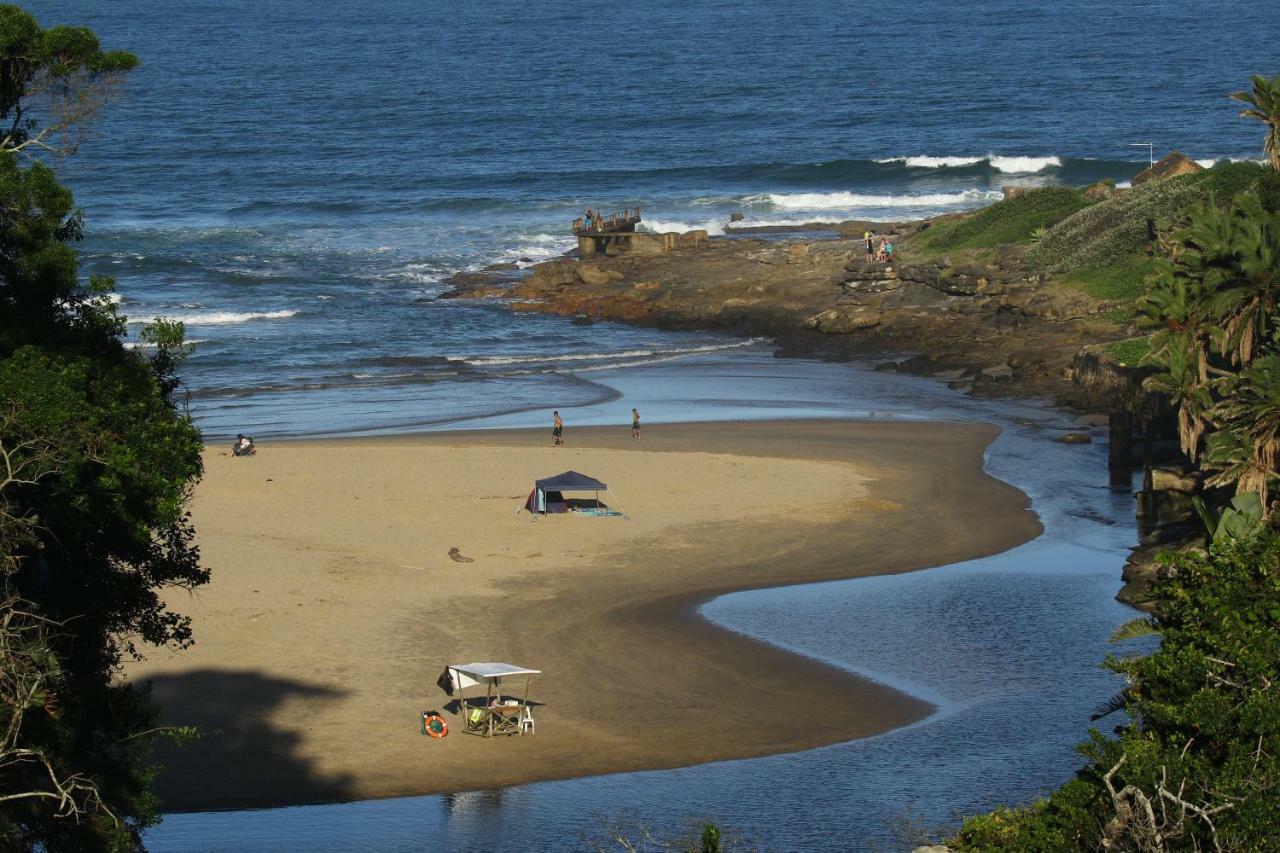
column 1151, row 150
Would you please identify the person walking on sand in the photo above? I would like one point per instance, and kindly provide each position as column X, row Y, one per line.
column 557, row 430
column 635, row 424
column 870, row 238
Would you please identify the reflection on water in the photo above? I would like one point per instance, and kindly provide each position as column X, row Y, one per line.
column 1008, row 647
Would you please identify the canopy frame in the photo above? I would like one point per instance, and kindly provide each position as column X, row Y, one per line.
column 491, row 676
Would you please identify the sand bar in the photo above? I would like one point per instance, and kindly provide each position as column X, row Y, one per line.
column 334, row 602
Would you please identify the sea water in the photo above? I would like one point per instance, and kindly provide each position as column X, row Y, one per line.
column 293, row 180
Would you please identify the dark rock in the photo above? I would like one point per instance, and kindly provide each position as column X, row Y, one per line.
column 501, row 267
column 736, row 217
column 1104, row 188
column 998, row 372
column 886, row 366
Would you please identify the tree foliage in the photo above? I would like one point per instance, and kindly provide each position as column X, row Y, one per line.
column 97, row 460
column 1264, row 105
column 51, row 81
column 1213, row 303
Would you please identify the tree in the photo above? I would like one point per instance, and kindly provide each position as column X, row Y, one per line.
column 101, row 459
column 52, row 81
column 1264, row 105
column 1213, row 303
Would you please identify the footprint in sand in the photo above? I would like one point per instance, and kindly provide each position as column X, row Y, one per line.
column 456, row 556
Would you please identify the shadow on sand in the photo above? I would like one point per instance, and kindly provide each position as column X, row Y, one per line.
column 245, row 757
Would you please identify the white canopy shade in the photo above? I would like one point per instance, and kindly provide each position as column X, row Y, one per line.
column 472, row 674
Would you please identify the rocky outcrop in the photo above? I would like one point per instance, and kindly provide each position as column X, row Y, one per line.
column 990, row 325
column 1171, row 165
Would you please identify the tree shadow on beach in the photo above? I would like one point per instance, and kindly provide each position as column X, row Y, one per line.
column 244, row 758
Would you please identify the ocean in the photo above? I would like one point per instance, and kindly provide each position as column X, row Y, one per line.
column 294, row 180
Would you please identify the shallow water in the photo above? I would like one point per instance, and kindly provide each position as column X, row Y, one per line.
column 1007, row 647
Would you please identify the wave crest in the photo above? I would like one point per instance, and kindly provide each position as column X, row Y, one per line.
column 216, row 318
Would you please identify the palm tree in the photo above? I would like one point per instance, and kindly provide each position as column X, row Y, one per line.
column 1246, row 448
column 1264, row 103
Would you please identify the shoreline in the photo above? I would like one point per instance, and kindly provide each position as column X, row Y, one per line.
column 588, row 614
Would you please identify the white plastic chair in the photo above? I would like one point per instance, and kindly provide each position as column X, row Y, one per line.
column 526, row 720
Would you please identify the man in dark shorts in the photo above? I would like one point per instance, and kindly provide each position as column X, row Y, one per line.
column 635, row 424
column 870, row 238
column 557, row 430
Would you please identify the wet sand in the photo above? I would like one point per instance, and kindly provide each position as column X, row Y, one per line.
column 335, row 603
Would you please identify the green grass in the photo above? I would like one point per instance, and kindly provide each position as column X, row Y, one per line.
column 1131, row 351
column 1123, row 281
column 1009, row 221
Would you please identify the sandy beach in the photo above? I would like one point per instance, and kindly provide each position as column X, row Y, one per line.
column 335, row 603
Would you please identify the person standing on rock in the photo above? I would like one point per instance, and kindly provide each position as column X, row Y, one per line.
column 635, row 423
column 870, row 238
column 557, row 430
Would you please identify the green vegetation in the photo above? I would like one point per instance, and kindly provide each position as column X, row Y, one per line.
column 1118, row 229
column 1264, row 106
column 1213, row 304
column 1012, row 220
column 1131, row 351
column 1121, row 281
column 97, row 462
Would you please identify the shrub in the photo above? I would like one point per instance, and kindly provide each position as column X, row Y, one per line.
column 1131, row 351
column 1013, row 220
column 1114, row 230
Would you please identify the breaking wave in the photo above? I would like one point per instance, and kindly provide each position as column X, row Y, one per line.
column 216, row 318
column 1001, row 163
column 852, row 200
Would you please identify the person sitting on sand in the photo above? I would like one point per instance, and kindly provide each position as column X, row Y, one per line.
column 635, row 424
column 557, row 430
column 243, row 446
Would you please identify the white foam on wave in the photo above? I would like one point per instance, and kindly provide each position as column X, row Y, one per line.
column 852, row 200
column 999, row 162
column 538, row 247
column 926, row 162
column 217, row 318
column 664, row 226
column 148, row 345
column 1023, row 165
column 674, row 352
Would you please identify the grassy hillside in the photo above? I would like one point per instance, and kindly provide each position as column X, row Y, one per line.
column 1012, row 220
column 1115, row 232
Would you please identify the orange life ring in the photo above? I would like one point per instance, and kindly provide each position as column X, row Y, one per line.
column 434, row 725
